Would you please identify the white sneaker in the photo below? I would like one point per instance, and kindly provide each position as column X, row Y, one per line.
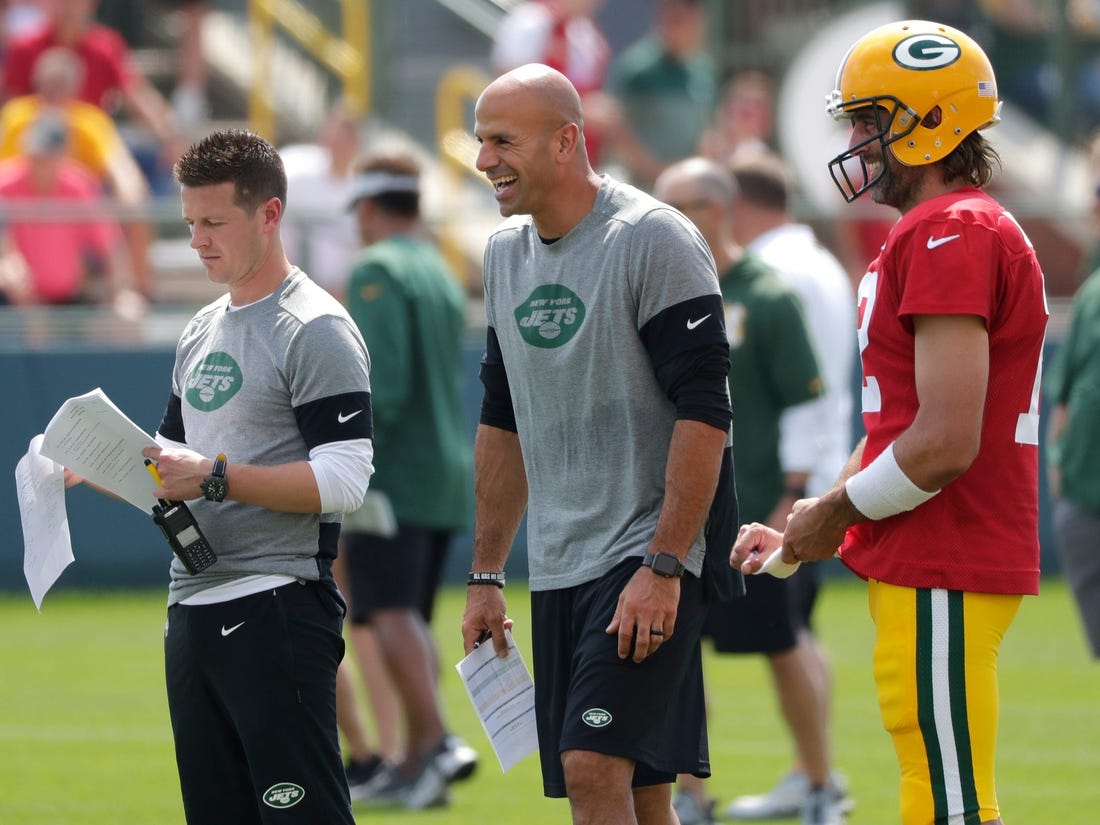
column 386, row 786
column 824, row 806
column 788, row 798
column 427, row 790
column 690, row 812
column 455, row 759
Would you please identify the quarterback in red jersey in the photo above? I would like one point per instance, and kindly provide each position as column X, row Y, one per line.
column 938, row 506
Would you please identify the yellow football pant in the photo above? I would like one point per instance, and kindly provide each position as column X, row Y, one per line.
column 935, row 664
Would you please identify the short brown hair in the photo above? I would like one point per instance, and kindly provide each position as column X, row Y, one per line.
column 239, row 157
column 763, row 179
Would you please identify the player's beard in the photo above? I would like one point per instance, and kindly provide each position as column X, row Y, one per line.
column 898, row 185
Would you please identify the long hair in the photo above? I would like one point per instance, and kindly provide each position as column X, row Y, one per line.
column 973, row 161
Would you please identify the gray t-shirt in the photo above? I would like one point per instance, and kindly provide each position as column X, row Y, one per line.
column 253, row 384
column 593, row 420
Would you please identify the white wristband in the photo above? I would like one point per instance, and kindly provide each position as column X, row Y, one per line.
column 775, row 565
column 882, row 489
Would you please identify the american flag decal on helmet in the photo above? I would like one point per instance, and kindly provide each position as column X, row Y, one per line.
column 987, row 88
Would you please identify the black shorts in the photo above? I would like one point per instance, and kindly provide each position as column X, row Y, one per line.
column 769, row 617
column 587, row 698
column 252, row 698
column 400, row 571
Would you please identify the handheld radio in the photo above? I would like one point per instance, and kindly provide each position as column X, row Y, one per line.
column 184, row 536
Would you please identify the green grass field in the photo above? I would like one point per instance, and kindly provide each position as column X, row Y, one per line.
column 85, row 740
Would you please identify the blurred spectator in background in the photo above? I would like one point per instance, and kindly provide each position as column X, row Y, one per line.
column 93, row 141
column 744, row 121
column 411, row 312
column 319, row 233
column 772, row 368
column 17, row 17
column 111, row 81
column 365, row 756
column 563, row 35
column 189, row 98
column 665, row 84
column 58, row 246
column 814, row 444
column 1073, row 445
column 1042, row 49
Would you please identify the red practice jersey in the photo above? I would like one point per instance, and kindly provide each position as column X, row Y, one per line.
column 957, row 254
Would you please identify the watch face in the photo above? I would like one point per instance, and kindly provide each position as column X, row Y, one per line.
column 214, row 489
column 666, row 564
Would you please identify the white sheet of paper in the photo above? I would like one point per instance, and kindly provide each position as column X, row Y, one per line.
column 47, row 551
column 92, row 437
column 503, row 695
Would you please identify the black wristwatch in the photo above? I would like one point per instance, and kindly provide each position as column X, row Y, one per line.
column 215, row 486
column 664, row 564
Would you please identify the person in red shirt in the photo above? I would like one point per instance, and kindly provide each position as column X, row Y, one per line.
column 564, row 35
column 938, row 506
column 111, row 80
column 58, row 261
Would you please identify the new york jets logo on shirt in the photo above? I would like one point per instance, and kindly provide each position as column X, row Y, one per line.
column 213, row 382
column 550, row 317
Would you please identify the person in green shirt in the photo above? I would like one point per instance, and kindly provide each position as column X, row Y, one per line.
column 667, row 90
column 410, row 310
column 1073, row 454
column 773, row 367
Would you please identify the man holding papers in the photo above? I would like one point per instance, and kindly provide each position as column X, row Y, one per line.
column 267, row 437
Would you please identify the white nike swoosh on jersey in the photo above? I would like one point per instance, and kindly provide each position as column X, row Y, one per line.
column 934, row 242
column 343, row 419
column 693, row 324
column 227, row 630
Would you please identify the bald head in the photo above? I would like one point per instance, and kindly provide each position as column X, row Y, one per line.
column 536, row 89
column 704, row 191
column 696, row 179
column 528, row 124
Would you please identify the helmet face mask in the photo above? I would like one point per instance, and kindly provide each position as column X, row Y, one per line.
column 885, row 111
column 929, row 86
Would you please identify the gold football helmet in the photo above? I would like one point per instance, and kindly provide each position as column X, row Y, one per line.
column 928, row 85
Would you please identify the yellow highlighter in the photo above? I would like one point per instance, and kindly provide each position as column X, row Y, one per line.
column 152, row 468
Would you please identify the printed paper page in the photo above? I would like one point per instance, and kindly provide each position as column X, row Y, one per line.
column 93, row 437
column 504, row 697
column 47, row 551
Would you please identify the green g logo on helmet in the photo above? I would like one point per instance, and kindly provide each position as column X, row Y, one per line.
column 550, row 317
column 213, row 382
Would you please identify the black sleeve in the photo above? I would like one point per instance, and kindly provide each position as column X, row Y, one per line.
column 171, row 426
column 690, row 353
column 342, row 417
column 496, row 403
